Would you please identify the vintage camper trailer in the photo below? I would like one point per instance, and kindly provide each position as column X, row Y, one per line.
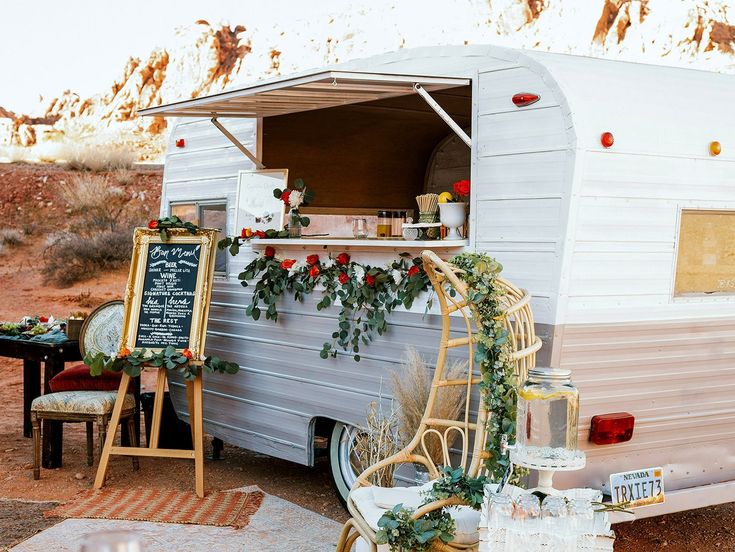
column 610, row 197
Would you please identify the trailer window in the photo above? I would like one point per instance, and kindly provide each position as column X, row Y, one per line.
column 206, row 215
column 706, row 253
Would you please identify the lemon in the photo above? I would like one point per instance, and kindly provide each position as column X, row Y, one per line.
column 445, row 197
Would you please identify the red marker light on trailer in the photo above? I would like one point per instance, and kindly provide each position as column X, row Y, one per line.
column 608, row 429
column 715, row 148
column 522, row 99
column 180, row 142
column 607, row 139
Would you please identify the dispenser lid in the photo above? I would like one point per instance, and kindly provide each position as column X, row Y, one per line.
column 542, row 373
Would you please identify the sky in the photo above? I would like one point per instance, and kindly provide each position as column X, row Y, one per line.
column 48, row 46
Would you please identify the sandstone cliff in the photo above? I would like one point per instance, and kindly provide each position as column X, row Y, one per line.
column 206, row 58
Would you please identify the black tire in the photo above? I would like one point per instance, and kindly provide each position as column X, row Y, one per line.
column 342, row 470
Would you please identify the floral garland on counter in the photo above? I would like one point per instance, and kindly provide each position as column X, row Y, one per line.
column 366, row 293
column 133, row 362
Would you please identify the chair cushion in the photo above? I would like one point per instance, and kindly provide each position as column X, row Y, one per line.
column 372, row 502
column 78, row 378
column 81, row 402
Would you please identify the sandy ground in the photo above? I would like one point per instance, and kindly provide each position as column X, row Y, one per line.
column 23, row 291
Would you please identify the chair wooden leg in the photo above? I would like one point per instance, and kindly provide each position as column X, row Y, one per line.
column 102, row 430
column 133, row 440
column 36, row 428
column 90, row 443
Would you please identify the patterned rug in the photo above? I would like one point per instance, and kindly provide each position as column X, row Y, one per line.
column 221, row 508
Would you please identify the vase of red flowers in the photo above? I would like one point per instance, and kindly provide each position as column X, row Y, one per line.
column 293, row 199
column 453, row 212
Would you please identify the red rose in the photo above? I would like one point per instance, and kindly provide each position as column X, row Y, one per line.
column 314, row 271
column 259, row 234
column 43, row 319
column 343, row 258
column 311, row 260
column 270, row 252
column 343, row 278
column 246, row 233
column 153, row 224
column 413, row 271
column 288, row 263
column 285, row 196
column 370, row 280
column 462, row 187
column 187, row 353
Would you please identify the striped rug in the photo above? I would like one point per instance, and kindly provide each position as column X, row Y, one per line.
column 221, row 508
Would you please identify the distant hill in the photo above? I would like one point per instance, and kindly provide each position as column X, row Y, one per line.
column 206, row 58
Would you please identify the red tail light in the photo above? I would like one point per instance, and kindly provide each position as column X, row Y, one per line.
column 522, row 99
column 180, row 142
column 608, row 429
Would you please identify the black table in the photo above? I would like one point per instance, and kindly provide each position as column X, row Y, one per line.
column 53, row 357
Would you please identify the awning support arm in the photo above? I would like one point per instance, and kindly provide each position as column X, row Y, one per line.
column 443, row 114
column 237, row 143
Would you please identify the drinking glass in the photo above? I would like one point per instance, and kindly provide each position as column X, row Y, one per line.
column 359, row 228
column 582, row 516
column 528, row 513
column 554, row 514
column 500, row 511
column 111, row 541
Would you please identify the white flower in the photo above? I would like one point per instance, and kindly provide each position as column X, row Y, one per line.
column 328, row 263
column 358, row 272
column 295, row 199
column 396, row 275
column 297, row 267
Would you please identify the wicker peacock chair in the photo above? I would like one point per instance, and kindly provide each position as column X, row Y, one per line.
column 366, row 502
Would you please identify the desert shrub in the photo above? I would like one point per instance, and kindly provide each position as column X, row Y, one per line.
column 92, row 155
column 411, row 387
column 74, row 257
column 124, row 176
column 96, row 204
column 11, row 237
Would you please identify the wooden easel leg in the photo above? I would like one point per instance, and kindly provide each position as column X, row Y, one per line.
column 158, row 408
column 197, row 423
column 190, row 402
column 114, row 422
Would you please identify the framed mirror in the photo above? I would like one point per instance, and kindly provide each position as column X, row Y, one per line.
column 257, row 208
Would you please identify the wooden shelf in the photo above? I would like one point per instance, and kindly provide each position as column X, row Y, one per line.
column 349, row 242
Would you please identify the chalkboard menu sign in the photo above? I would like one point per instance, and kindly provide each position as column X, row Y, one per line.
column 169, row 287
column 170, row 284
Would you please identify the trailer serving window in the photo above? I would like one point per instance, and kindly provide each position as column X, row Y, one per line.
column 364, row 143
column 706, row 253
column 207, row 215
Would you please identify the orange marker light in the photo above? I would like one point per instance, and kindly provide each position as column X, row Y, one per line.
column 715, row 148
column 607, row 139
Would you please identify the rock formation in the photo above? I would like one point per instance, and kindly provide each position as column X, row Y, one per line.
column 205, row 58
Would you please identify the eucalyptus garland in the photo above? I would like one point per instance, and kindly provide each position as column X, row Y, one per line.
column 401, row 532
column 492, row 353
column 133, row 362
column 163, row 225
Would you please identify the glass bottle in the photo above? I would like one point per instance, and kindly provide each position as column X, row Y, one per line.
column 294, row 224
column 384, row 229
column 547, row 418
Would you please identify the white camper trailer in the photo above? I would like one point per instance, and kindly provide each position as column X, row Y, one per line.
column 628, row 250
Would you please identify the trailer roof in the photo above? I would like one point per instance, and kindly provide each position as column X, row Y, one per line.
column 293, row 94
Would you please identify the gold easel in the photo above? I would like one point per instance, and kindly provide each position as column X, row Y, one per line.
column 194, row 398
column 143, row 239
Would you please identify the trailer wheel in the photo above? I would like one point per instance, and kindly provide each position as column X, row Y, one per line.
column 344, row 466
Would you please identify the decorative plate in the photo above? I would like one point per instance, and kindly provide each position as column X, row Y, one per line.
column 102, row 330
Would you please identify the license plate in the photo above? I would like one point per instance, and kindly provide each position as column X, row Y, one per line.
column 638, row 487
